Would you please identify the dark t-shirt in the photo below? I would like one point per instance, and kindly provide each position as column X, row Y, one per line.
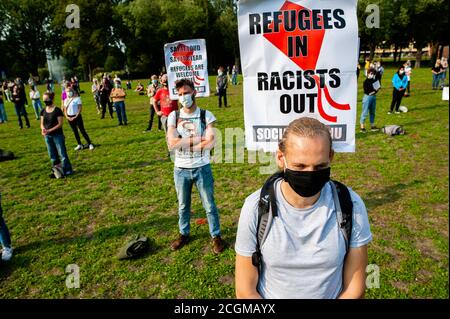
column 51, row 120
column 368, row 86
column 437, row 69
column 1, row 97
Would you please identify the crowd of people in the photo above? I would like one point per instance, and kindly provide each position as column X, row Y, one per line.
column 302, row 185
column 401, row 84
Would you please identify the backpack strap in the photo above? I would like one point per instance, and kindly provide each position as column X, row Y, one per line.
column 344, row 210
column 177, row 117
column 203, row 121
column 267, row 211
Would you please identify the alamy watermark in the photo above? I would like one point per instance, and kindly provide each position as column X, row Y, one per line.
column 73, row 19
column 73, row 277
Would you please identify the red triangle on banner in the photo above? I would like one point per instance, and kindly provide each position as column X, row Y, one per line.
column 314, row 38
column 183, row 54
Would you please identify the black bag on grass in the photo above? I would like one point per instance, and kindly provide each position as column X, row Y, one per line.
column 135, row 248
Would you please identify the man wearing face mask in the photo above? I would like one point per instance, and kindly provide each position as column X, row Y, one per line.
column 306, row 253
column 221, row 86
column 369, row 102
column 166, row 105
column 191, row 135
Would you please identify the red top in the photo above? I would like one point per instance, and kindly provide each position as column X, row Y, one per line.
column 166, row 104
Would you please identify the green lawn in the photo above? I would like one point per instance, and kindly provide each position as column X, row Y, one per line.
column 125, row 186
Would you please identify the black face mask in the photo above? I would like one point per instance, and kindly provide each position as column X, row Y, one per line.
column 48, row 103
column 307, row 184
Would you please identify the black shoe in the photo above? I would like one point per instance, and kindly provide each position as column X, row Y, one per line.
column 52, row 176
column 363, row 130
column 120, row 124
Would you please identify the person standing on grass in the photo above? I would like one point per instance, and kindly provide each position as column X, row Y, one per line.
column 408, row 72
column 221, row 86
column 444, row 66
column 19, row 100
column 5, row 237
column 191, row 135
column 310, row 250
column 96, row 94
column 369, row 102
column 35, row 97
column 3, row 116
column 118, row 95
column 52, row 119
column 400, row 82
column 162, row 103
column 151, row 92
column 105, row 92
column 72, row 111
column 234, row 75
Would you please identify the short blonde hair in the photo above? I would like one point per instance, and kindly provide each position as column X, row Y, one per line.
column 305, row 127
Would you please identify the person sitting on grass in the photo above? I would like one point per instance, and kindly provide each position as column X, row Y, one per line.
column 52, row 119
column 139, row 88
column 118, row 95
column 5, row 237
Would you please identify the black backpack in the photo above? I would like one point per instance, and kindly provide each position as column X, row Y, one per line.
column 202, row 120
column 267, row 211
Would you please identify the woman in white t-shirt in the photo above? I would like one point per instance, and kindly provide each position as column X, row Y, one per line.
column 35, row 97
column 72, row 111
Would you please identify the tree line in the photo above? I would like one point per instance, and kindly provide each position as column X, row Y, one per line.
column 130, row 34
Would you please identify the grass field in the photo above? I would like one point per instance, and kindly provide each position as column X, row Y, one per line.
column 125, row 186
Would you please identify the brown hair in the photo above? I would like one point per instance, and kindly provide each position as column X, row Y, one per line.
column 51, row 95
column 182, row 82
column 305, row 127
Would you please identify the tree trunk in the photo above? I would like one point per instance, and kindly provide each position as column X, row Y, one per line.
column 372, row 52
column 395, row 53
column 434, row 52
column 400, row 55
column 418, row 57
column 441, row 51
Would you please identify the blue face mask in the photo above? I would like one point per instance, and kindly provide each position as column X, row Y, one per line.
column 186, row 100
column 70, row 94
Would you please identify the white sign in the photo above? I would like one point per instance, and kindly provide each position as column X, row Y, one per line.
column 445, row 93
column 187, row 60
column 299, row 58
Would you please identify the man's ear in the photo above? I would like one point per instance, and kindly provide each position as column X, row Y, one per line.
column 279, row 157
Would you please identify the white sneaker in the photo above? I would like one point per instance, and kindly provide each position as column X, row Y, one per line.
column 7, row 254
column 78, row 148
column 91, row 147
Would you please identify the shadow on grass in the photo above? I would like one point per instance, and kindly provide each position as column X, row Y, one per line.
column 388, row 194
column 99, row 238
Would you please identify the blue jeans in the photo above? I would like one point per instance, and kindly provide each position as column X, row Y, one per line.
column 37, row 106
column 369, row 103
column 203, row 179
column 436, row 80
column 3, row 117
column 121, row 113
column 234, row 79
column 56, row 147
column 5, row 238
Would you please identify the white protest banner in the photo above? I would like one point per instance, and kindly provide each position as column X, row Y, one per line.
column 299, row 58
column 187, row 60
